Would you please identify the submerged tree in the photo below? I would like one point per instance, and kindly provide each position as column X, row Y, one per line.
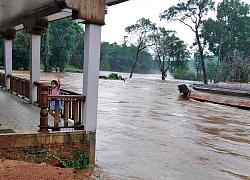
column 191, row 14
column 170, row 52
column 139, row 33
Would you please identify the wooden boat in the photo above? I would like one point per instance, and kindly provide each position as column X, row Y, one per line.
column 219, row 95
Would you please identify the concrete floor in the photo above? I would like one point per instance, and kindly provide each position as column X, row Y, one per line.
column 18, row 114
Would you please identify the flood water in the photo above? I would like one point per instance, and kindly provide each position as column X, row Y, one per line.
column 146, row 132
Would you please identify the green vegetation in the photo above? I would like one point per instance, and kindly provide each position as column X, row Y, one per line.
column 62, row 49
column 120, row 58
column 73, row 69
column 220, row 51
column 192, row 13
column 228, row 39
column 78, row 160
column 225, row 39
column 112, row 76
column 141, row 31
column 171, row 53
column 180, row 74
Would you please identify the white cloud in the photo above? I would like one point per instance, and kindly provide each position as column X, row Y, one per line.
column 125, row 14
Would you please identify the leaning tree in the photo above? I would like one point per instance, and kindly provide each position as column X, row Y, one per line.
column 138, row 34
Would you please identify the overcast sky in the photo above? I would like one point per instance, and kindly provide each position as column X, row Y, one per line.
column 125, row 14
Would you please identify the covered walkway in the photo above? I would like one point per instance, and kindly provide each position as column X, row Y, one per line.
column 21, row 116
column 34, row 17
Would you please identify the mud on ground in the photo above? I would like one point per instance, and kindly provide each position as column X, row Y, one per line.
column 19, row 170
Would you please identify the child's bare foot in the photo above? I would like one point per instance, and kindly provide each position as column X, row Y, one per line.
column 51, row 113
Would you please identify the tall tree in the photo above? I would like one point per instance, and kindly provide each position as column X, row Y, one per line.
column 46, row 50
column 191, row 13
column 197, row 65
column 77, row 57
column 227, row 37
column 138, row 33
column 63, row 42
column 212, row 33
column 21, row 53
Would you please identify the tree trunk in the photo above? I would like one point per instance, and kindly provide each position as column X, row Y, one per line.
column 218, row 62
column 201, row 56
column 163, row 75
column 46, row 59
column 136, row 59
column 46, row 65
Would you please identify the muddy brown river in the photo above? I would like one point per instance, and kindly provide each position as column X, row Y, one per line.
column 146, row 132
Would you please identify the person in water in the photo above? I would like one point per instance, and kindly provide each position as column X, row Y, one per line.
column 55, row 84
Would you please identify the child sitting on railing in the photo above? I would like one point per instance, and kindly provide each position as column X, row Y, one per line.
column 55, row 91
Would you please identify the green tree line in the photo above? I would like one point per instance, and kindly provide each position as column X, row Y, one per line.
column 226, row 37
column 62, row 48
column 220, row 51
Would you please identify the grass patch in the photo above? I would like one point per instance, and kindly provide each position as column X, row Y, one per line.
column 72, row 69
column 112, row 76
column 78, row 160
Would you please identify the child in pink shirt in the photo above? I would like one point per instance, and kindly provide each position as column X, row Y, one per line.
column 55, row 91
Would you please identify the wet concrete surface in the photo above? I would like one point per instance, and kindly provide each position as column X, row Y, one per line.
column 17, row 114
column 145, row 131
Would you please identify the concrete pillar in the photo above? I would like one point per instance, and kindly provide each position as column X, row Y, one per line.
column 7, row 61
column 34, row 65
column 91, row 75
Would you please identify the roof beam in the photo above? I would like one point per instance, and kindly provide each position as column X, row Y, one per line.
column 32, row 16
column 114, row 2
column 88, row 11
column 92, row 11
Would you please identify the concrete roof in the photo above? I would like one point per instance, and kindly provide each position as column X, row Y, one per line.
column 13, row 13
